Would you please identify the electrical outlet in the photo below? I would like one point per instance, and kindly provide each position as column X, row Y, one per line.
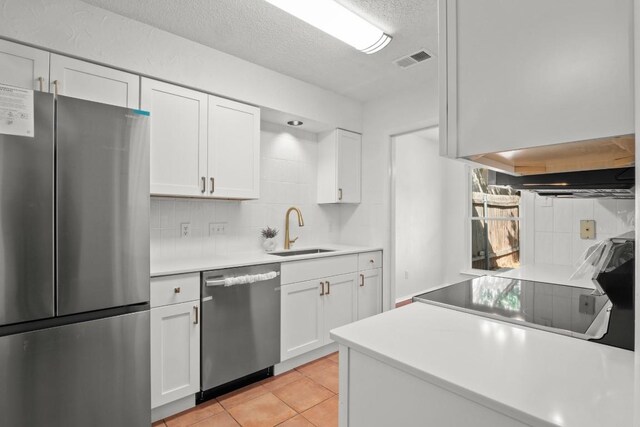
column 587, row 229
column 217, row 228
column 185, row 229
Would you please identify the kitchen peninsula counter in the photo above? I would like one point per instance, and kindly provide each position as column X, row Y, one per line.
column 427, row 365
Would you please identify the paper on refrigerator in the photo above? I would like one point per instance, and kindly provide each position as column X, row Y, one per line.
column 16, row 111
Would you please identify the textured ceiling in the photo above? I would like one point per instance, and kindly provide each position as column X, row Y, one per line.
column 260, row 33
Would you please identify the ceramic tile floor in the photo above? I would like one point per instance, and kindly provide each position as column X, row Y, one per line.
column 306, row 396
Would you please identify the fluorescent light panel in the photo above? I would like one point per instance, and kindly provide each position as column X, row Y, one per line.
column 338, row 21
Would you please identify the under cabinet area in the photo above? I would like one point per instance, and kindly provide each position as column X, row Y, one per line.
column 175, row 338
column 201, row 145
column 339, row 167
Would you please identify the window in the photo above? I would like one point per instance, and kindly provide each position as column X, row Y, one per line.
column 495, row 223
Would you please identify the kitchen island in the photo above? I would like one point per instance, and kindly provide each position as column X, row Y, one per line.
column 427, row 365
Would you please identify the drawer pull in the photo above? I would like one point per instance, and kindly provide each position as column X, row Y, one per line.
column 361, row 280
column 371, row 261
column 177, row 290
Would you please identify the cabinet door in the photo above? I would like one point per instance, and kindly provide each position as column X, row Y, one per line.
column 175, row 352
column 24, row 66
column 301, row 318
column 178, row 138
column 234, row 149
column 84, row 80
column 544, row 89
column 339, row 303
column 369, row 293
column 349, row 160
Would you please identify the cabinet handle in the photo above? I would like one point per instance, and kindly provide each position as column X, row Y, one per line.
column 195, row 309
column 361, row 280
column 213, row 185
column 204, row 185
column 176, row 290
column 322, row 288
column 328, row 288
column 339, row 193
column 55, row 87
column 371, row 261
column 41, row 83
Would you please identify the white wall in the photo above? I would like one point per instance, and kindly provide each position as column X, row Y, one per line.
column 369, row 223
column 424, row 208
column 287, row 178
column 557, row 226
column 77, row 29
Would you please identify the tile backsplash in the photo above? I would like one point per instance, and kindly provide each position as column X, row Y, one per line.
column 287, row 178
column 557, row 226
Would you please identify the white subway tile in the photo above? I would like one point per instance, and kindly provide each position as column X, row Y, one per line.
column 562, row 215
column 543, row 247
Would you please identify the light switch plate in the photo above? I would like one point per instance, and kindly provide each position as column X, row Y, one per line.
column 587, row 229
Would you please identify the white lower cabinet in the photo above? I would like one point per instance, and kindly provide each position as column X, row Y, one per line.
column 301, row 318
column 339, row 303
column 313, row 308
column 369, row 293
column 175, row 344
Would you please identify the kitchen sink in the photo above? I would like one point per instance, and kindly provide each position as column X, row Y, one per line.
column 302, row 252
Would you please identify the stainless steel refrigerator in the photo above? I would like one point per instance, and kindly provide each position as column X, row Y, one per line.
column 74, row 268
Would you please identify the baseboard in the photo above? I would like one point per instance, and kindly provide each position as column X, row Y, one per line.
column 310, row 356
column 173, row 408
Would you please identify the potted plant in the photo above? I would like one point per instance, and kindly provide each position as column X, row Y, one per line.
column 269, row 234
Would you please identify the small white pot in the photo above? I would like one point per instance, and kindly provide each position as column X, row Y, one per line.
column 269, row 245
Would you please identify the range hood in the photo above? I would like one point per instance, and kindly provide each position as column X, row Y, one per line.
column 616, row 183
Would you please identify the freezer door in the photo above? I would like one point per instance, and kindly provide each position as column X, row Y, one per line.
column 93, row 373
column 102, row 206
column 26, row 220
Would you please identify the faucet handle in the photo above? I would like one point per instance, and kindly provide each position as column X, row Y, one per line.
column 292, row 241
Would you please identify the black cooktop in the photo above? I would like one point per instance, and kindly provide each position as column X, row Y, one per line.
column 567, row 310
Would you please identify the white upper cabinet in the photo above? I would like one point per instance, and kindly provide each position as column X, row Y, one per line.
column 80, row 79
column 234, row 149
column 201, row 145
column 24, row 66
column 339, row 167
column 518, row 74
column 178, row 138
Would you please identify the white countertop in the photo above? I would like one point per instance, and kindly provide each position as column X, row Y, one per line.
column 547, row 273
column 541, row 378
column 166, row 267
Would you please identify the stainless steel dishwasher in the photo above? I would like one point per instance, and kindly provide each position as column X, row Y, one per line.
column 240, row 323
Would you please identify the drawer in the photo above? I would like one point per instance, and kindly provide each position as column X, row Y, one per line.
column 369, row 260
column 167, row 290
column 300, row 271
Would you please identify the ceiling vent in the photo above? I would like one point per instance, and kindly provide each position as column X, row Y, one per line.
column 413, row 59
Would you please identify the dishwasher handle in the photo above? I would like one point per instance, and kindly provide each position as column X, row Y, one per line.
column 241, row 280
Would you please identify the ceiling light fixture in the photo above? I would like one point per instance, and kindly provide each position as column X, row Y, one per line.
column 295, row 123
column 337, row 21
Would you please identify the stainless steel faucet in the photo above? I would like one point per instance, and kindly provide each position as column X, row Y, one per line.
column 287, row 240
